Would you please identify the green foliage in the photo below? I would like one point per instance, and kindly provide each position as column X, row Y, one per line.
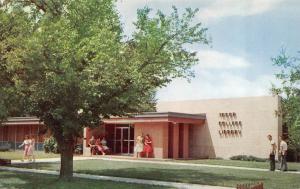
column 290, row 90
column 79, row 61
column 50, row 145
column 248, row 158
column 72, row 65
column 13, row 30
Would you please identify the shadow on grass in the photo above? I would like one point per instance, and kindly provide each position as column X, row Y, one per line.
column 179, row 175
column 42, row 166
column 11, row 180
column 25, row 181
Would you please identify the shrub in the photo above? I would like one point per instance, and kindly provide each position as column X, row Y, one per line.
column 50, row 145
column 248, row 158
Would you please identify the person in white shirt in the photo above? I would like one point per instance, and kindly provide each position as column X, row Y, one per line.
column 272, row 153
column 279, row 154
column 283, row 152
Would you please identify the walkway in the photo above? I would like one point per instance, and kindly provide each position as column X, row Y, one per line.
column 147, row 161
column 118, row 179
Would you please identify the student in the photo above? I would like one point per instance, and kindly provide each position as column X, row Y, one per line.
column 272, row 153
column 283, row 152
column 92, row 144
column 31, row 149
column 279, row 154
column 99, row 146
column 104, row 144
column 148, row 145
column 26, row 144
column 138, row 146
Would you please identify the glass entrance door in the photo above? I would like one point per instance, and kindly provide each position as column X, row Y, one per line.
column 124, row 140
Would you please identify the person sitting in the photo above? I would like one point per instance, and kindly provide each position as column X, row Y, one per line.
column 92, row 145
column 99, row 146
column 104, row 144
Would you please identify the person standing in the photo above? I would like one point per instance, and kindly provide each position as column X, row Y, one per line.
column 26, row 144
column 148, row 145
column 272, row 153
column 138, row 149
column 279, row 154
column 283, row 152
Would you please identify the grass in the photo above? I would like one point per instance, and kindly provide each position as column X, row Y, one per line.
column 11, row 180
column 177, row 173
column 18, row 154
column 251, row 164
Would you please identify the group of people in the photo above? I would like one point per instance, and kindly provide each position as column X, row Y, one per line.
column 143, row 145
column 28, row 144
column 98, row 145
column 282, row 153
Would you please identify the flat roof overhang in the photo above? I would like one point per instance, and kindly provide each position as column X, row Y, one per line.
column 22, row 121
column 174, row 117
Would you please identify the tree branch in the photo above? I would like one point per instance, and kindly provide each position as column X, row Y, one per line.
column 39, row 6
column 148, row 61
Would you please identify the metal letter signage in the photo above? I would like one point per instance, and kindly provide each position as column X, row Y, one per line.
column 229, row 125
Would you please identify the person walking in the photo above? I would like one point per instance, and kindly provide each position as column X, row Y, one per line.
column 272, row 153
column 26, row 144
column 283, row 151
column 31, row 149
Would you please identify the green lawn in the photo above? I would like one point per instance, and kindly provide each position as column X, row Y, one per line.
column 188, row 174
column 18, row 154
column 11, row 180
column 292, row 166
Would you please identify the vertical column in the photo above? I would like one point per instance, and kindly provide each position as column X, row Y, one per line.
column 15, row 128
column 165, row 138
column 175, row 140
column 37, row 137
column 86, row 136
column 2, row 132
column 186, row 141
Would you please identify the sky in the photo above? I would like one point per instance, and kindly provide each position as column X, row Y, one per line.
column 245, row 35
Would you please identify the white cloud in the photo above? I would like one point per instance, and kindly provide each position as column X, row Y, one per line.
column 210, row 59
column 225, row 8
column 223, row 84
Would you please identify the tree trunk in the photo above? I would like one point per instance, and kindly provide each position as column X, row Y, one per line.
column 66, row 163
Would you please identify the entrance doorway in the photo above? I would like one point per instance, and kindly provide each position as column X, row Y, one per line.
column 124, row 139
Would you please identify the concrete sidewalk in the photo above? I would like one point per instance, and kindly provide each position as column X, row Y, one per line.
column 118, row 179
column 50, row 160
column 192, row 164
column 149, row 161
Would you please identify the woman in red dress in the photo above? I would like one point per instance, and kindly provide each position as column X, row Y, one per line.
column 148, row 145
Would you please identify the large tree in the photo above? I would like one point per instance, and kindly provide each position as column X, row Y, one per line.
column 75, row 66
column 290, row 91
column 13, row 28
